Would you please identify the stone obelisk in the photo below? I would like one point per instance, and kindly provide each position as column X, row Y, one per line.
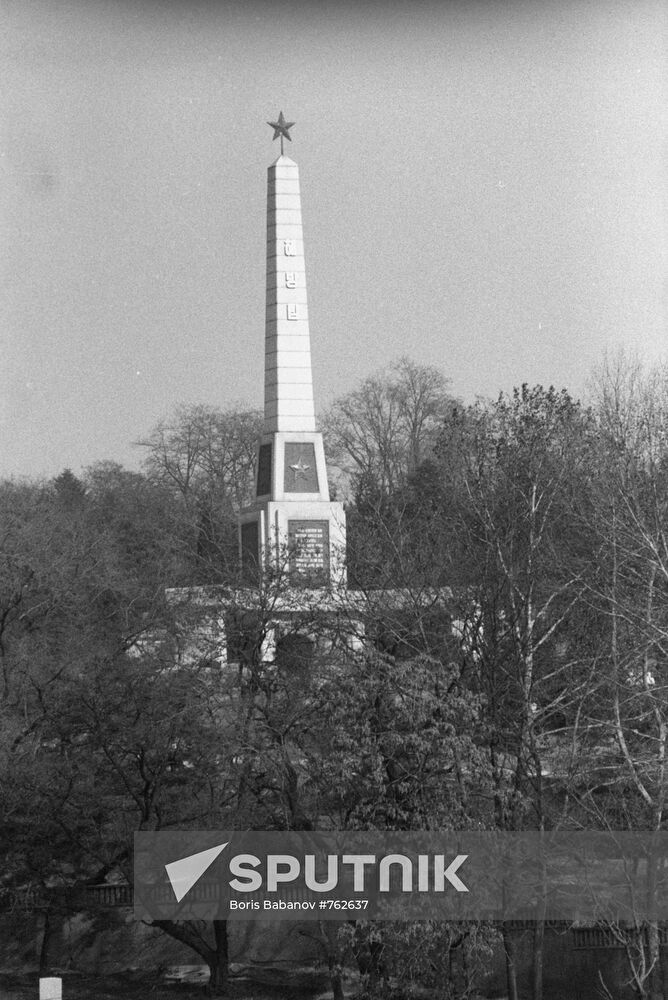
column 288, row 382
column 292, row 529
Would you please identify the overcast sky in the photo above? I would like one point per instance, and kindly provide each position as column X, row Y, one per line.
column 483, row 188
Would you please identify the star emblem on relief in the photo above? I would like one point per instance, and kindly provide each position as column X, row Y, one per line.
column 300, row 469
column 281, row 127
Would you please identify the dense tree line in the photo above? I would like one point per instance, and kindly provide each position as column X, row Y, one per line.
column 517, row 684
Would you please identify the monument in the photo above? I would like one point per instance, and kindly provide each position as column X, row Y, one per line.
column 292, row 604
column 292, row 530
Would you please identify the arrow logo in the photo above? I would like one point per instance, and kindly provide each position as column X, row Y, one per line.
column 185, row 872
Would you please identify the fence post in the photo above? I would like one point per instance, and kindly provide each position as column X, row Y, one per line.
column 51, row 988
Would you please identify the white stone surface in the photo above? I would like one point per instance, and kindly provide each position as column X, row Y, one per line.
column 298, row 376
column 279, row 232
column 286, row 203
column 294, row 390
column 287, row 217
column 277, row 283
column 50, row 988
column 282, row 294
column 286, row 185
column 278, row 312
column 286, row 249
column 288, row 340
column 288, row 382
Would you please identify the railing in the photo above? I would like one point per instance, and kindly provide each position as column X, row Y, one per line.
column 112, row 894
column 70, row 897
column 606, row 937
column 109, row 894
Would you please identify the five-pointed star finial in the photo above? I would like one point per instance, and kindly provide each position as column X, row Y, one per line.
column 282, row 128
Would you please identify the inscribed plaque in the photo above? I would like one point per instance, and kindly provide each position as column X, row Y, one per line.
column 300, row 475
column 309, row 552
column 264, row 470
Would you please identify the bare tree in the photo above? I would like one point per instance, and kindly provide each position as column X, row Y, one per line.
column 383, row 430
column 207, row 457
column 625, row 724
